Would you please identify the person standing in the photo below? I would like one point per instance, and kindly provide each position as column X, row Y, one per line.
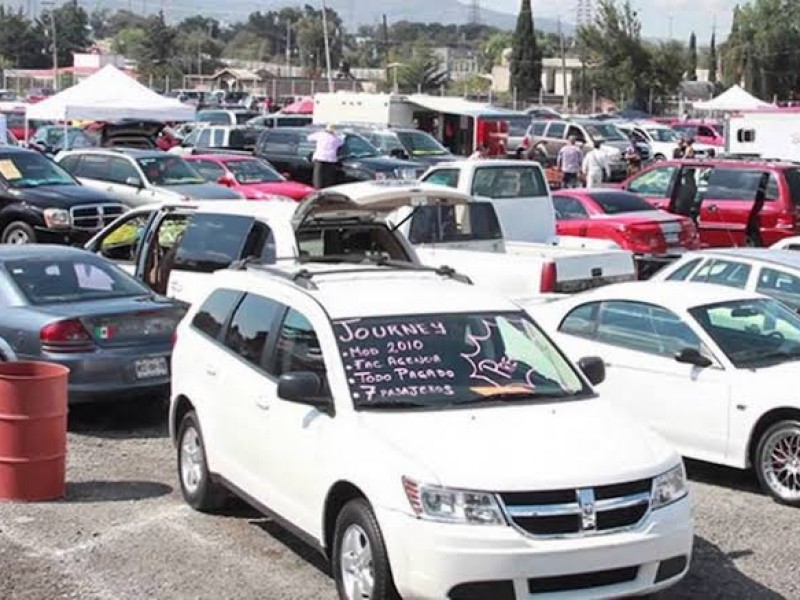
column 481, row 153
column 326, row 156
column 688, row 150
column 595, row 167
column 569, row 163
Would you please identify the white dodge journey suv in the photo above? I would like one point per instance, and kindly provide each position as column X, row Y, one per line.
column 425, row 435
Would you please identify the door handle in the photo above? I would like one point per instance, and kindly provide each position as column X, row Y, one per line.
column 262, row 403
column 211, row 371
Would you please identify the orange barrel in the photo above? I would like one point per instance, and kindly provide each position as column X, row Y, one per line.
column 33, row 430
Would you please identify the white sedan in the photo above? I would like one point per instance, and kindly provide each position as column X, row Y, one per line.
column 711, row 368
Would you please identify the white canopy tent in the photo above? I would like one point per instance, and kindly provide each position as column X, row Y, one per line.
column 732, row 100
column 109, row 95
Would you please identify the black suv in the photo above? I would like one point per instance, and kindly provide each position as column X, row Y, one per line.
column 290, row 152
column 41, row 202
column 409, row 144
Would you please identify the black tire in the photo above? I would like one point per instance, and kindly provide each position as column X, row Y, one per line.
column 358, row 513
column 659, row 157
column 18, row 232
column 205, row 495
column 766, row 462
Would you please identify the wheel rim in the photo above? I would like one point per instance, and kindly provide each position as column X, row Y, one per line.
column 192, row 460
column 358, row 575
column 18, row 237
column 780, row 463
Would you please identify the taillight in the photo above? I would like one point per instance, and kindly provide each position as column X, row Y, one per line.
column 65, row 336
column 526, row 142
column 645, row 238
column 174, row 338
column 549, row 278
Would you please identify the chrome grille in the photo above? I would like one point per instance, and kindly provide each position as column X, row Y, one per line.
column 579, row 512
column 93, row 217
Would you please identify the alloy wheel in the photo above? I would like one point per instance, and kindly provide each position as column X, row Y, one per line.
column 355, row 560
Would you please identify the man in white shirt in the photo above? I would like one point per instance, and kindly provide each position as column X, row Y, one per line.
column 595, row 166
column 326, row 156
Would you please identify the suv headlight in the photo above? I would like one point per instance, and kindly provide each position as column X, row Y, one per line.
column 669, row 487
column 56, row 218
column 447, row 505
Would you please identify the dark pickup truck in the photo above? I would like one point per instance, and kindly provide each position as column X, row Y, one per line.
column 41, row 202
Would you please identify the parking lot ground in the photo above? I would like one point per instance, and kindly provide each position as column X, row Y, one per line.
column 123, row 531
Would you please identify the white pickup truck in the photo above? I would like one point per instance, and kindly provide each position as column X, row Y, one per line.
column 172, row 248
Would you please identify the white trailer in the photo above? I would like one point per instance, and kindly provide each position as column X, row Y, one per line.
column 385, row 110
column 767, row 134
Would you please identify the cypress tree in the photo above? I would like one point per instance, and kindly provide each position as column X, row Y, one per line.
column 691, row 68
column 526, row 64
column 712, row 59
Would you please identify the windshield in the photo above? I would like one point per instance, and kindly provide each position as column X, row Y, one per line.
column 31, row 169
column 386, row 142
column 614, row 203
column 442, row 223
column 450, row 360
column 54, row 137
column 419, row 143
column 518, row 126
column 356, row 146
column 663, row 135
column 244, row 117
column 509, row 182
column 604, row 131
column 49, row 281
column 169, row 170
column 252, row 171
column 752, row 333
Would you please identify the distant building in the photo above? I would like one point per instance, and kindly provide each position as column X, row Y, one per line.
column 553, row 71
column 460, row 63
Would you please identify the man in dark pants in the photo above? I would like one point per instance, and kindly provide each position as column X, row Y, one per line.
column 325, row 156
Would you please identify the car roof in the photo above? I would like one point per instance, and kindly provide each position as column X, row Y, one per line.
column 131, row 152
column 729, row 163
column 19, row 252
column 11, row 150
column 357, row 291
column 220, row 157
column 277, row 208
column 783, row 258
column 675, row 295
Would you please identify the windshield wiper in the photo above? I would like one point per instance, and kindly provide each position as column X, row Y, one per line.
column 403, row 405
column 779, row 355
column 505, row 397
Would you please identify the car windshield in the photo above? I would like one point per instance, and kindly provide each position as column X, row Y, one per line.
column 605, row 131
column 614, row 203
column 663, row 135
column 54, row 138
column 356, row 146
column 31, row 169
column 386, row 142
column 169, row 170
column 509, row 182
column 252, row 171
column 72, row 279
column 419, row 143
column 752, row 333
column 441, row 361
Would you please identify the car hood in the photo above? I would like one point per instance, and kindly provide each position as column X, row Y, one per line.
column 203, row 191
column 433, row 159
column 524, row 447
column 381, row 163
column 290, row 189
column 63, row 196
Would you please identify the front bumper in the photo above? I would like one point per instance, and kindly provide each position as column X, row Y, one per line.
column 109, row 374
column 435, row 560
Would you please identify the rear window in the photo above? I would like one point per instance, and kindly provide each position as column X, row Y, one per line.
column 244, row 138
column 277, row 141
column 793, row 181
column 214, row 312
column 508, row 182
column 518, row 126
column 51, row 281
column 476, row 221
column 537, row 128
column 214, row 117
column 618, row 203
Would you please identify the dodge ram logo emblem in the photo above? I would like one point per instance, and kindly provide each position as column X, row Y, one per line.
column 588, row 512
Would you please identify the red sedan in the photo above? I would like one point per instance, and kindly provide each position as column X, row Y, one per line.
column 626, row 219
column 253, row 177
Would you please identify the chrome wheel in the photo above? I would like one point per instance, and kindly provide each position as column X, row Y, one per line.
column 780, row 463
column 192, row 460
column 355, row 559
column 18, row 237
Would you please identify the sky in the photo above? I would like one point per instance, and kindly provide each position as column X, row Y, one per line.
column 687, row 15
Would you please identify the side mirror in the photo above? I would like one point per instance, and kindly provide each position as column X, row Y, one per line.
column 226, row 180
column 304, row 387
column 287, row 176
column 134, row 182
column 594, row 368
column 399, row 153
column 692, row 356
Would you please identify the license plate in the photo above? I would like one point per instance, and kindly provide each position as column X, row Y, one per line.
column 148, row 368
column 671, row 238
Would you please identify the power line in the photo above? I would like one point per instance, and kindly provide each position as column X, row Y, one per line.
column 474, row 12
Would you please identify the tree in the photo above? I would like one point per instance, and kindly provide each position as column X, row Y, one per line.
column 526, row 64
column 712, row 59
column 159, row 49
column 130, row 42
column 21, row 43
column 72, row 31
column 492, row 49
column 691, row 65
column 422, row 73
column 98, row 22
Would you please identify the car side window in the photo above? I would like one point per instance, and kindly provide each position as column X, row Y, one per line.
column 122, row 242
column 447, row 177
column 644, row 328
column 94, row 166
column 215, row 311
column 277, row 142
column 681, row 273
column 70, row 163
column 208, row 169
column 569, row 208
column 538, row 128
column 654, row 183
column 219, row 138
column 298, row 347
column 120, row 170
column 780, row 285
column 250, row 328
column 733, row 184
column 581, row 321
column 556, row 130
column 724, row 272
column 204, row 138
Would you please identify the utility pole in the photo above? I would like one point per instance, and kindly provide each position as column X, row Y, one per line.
column 51, row 6
column 288, row 48
column 565, row 91
column 327, row 46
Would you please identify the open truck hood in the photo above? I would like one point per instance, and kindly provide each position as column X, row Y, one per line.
column 368, row 198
